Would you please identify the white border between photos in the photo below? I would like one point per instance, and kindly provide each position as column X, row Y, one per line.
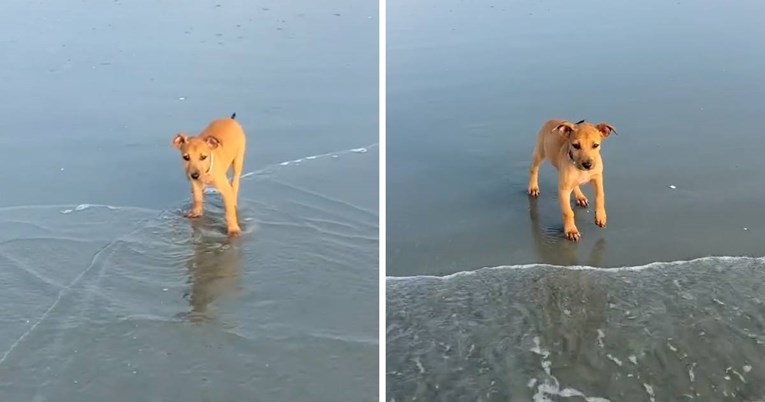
column 381, row 120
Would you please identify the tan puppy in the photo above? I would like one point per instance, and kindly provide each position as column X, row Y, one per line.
column 574, row 150
column 207, row 159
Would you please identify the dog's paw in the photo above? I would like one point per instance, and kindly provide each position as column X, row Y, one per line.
column 194, row 214
column 234, row 232
column 572, row 233
column 600, row 218
column 582, row 201
column 533, row 191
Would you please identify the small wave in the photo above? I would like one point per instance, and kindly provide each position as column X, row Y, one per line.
column 345, row 338
column 298, row 161
column 571, row 329
column 551, row 386
column 68, row 208
column 649, row 266
column 83, row 207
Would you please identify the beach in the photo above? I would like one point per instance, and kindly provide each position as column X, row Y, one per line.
column 469, row 87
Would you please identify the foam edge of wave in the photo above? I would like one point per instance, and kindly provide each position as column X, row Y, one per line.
column 651, row 265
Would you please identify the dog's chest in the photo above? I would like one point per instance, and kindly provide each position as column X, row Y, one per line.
column 583, row 178
column 578, row 177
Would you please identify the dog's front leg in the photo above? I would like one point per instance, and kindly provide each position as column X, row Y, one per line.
column 536, row 161
column 569, row 226
column 197, row 195
column 229, row 203
column 600, row 201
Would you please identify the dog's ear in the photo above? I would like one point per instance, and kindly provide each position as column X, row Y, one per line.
column 606, row 129
column 179, row 140
column 212, row 142
column 565, row 128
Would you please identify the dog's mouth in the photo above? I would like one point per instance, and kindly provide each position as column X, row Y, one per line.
column 196, row 174
column 199, row 174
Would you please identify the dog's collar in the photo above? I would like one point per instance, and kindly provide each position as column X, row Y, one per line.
column 572, row 161
column 571, row 155
column 212, row 161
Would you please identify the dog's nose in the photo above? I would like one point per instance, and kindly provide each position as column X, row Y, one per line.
column 195, row 175
column 587, row 165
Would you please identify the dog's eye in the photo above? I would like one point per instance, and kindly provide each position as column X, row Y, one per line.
column 577, row 146
column 186, row 157
column 202, row 157
column 595, row 145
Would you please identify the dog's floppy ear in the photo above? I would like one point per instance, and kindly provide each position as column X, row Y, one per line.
column 212, row 142
column 179, row 140
column 565, row 128
column 606, row 129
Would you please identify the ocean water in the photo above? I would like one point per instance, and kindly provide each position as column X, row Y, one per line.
column 469, row 86
column 684, row 330
column 108, row 292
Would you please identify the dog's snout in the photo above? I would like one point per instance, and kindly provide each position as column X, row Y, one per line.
column 587, row 164
column 195, row 175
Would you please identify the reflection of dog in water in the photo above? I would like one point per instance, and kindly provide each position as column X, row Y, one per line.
column 572, row 316
column 551, row 249
column 573, row 304
column 213, row 270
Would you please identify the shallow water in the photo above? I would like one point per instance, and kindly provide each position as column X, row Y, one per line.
column 145, row 302
column 688, row 330
column 471, row 83
column 107, row 290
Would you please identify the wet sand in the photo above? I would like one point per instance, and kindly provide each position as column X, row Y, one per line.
column 107, row 289
column 471, row 84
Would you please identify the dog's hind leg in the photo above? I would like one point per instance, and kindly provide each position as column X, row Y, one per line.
column 229, row 204
column 237, row 165
column 581, row 199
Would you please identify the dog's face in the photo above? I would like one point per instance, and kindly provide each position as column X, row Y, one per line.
column 583, row 141
column 196, row 154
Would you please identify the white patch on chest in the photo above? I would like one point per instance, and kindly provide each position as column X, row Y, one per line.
column 582, row 177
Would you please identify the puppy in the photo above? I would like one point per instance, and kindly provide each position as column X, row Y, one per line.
column 574, row 150
column 207, row 159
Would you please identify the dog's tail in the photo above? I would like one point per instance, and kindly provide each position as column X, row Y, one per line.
column 233, row 116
